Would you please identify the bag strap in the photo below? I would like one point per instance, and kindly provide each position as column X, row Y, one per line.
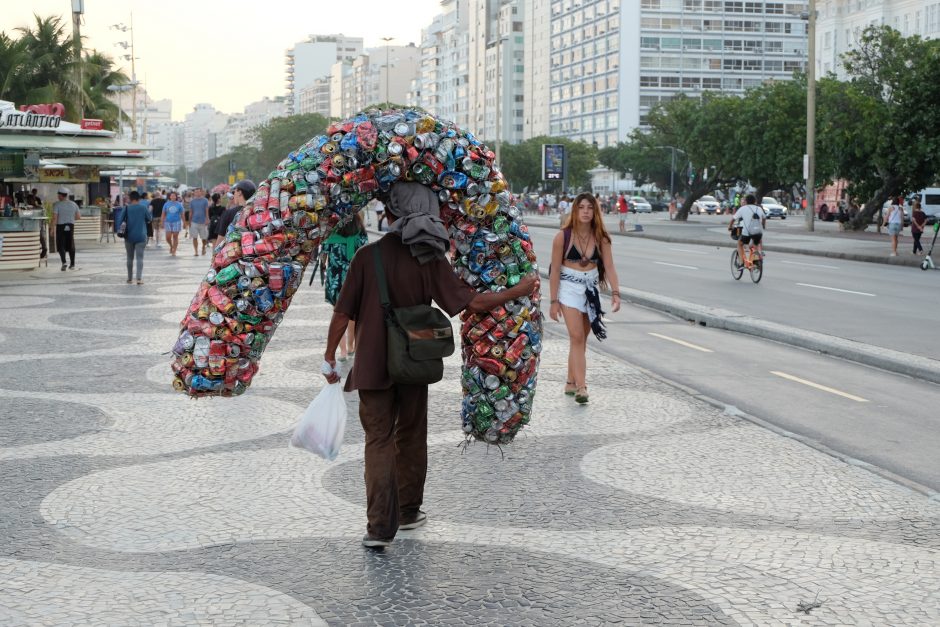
column 567, row 236
column 383, row 285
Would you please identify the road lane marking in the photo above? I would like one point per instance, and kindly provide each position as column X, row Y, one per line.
column 682, row 343
column 810, row 265
column 790, row 377
column 675, row 265
column 834, row 289
column 694, row 252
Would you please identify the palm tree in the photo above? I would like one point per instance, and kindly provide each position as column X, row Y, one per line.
column 49, row 76
column 14, row 64
column 98, row 74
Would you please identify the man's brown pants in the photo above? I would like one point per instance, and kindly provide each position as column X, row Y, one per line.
column 395, row 422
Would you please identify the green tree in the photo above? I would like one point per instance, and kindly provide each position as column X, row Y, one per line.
column 646, row 163
column 771, row 138
column 215, row 171
column 881, row 125
column 14, row 68
column 522, row 163
column 281, row 136
column 703, row 131
column 98, row 74
column 49, row 76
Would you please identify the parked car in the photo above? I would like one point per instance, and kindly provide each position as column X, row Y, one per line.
column 706, row 204
column 658, row 205
column 773, row 209
column 638, row 204
column 929, row 202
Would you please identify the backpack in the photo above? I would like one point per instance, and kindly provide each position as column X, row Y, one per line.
column 419, row 337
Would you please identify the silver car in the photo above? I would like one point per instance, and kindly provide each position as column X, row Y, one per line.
column 706, row 204
column 638, row 204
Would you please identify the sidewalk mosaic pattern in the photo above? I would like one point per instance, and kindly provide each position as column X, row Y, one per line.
column 122, row 502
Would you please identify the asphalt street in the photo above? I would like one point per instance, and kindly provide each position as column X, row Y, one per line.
column 888, row 306
column 861, row 413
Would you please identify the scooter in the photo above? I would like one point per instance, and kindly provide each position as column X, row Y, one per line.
column 927, row 263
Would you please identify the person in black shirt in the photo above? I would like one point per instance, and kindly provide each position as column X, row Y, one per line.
column 215, row 213
column 156, row 211
column 242, row 191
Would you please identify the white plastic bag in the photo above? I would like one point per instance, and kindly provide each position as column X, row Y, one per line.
column 323, row 424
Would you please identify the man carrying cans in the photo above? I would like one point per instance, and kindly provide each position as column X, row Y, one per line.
column 65, row 214
column 395, row 416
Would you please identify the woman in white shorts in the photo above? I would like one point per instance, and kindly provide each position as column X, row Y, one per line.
column 581, row 262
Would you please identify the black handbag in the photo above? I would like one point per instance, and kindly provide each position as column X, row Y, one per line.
column 419, row 337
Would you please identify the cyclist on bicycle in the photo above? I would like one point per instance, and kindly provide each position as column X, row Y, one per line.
column 751, row 219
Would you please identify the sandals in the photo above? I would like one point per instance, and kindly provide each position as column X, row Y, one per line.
column 581, row 397
column 569, row 388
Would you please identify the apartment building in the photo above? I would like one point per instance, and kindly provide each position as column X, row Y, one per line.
column 441, row 84
column 313, row 59
column 840, row 24
column 497, row 69
column 610, row 61
column 315, row 98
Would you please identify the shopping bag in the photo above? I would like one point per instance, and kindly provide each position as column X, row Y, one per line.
column 323, row 424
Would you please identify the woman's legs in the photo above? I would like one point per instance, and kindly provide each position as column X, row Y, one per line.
column 917, row 245
column 139, row 254
column 578, row 325
column 351, row 337
column 129, row 250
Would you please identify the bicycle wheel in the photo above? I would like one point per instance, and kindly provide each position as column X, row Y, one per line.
column 757, row 269
column 737, row 268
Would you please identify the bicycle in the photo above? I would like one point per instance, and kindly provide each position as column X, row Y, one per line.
column 753, row 261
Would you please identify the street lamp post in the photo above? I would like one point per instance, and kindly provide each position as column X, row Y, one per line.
column 387, row 66
column 125, row 28
column 811, row 120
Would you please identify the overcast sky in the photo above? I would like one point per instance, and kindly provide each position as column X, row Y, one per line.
column 227, row 53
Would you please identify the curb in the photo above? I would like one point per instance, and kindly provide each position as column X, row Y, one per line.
column 892, row 261
column 733, row 411
column 865, row 354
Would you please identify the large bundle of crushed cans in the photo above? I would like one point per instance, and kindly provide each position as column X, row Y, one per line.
column 260, row 262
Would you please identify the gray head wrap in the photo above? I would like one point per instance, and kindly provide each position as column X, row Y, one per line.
column 419, row 222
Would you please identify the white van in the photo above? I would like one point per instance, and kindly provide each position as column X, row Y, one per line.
column 929, row 201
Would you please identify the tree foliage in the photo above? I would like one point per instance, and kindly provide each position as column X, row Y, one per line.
column 522, row 163
column 881, row 124
column 281, row 136
column 41, row 66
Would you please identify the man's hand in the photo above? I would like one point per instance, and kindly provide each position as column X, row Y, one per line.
column 333, row 375
column 528, row 282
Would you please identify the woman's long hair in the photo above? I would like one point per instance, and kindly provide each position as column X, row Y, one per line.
column 598, row 230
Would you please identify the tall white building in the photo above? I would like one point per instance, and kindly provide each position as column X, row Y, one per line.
column 201, row 130
column 441, row 86
column 610, row 61
column 383, row 74
column 315, row 98
column 309, row 60
column 840, row 24
column 239, row 128
column 496, row 69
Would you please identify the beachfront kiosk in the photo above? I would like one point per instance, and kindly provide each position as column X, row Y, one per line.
column 40, row 151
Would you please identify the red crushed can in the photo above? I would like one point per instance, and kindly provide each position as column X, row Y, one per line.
column 276, row 277
column 258, row 220
column 248, row 243
column 222, row 302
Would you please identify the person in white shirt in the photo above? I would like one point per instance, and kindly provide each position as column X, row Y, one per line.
column 751, row 219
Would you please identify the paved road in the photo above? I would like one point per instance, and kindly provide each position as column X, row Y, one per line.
column 893, row 307
column 123, row 502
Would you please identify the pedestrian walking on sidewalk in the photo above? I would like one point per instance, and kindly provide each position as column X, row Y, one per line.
column 339, row 248
column 199, row 220
column 172, row 222
column 394, row 416
column 895, row 223
column 65, row 214
column 137, row 216
column 582, row 261
column 215, row 213
column 623, row 209
column 918, row 224
column 156, row 214
column 243, row 190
